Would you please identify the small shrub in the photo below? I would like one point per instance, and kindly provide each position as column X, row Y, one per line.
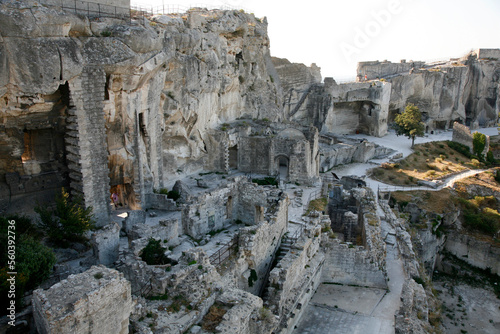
column 497, row 176
column 98, row 275
column 154, row 253
column 475, row 163
column 190, row 263
column 252, row 278
column 173, row 194
column 266, row 181
column 68, row 221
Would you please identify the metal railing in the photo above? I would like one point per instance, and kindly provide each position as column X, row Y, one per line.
column 177, row 9
column 312, row 196
column 295, row 236
column 223, row 253
column 89, row 8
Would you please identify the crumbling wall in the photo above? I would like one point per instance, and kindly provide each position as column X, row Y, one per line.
column 258, row 244
column 96, row 301
column 106, row 243
column 252, row 159
column 364, row 265
column 349, row 264
column 296, row 277
column 379, row 70
column 211, row 211
column 463, row 135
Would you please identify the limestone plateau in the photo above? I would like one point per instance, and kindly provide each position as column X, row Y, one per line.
column 182, row 128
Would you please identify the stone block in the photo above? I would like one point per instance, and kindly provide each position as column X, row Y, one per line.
column 135, row 217
column 96, row 301
column 105, row 244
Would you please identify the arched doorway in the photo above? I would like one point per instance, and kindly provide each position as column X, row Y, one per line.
column 282, row 166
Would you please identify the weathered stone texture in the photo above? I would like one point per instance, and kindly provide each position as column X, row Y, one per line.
column 105, row 244
column 87, row 95
column 296, row 277
column 476, row 252
column 346, row 263
column 379, row 70
column 96, row 301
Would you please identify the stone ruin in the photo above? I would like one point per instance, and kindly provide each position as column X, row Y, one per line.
column 96, row 301
column 463, row 135
column 263, row 276
column 131, row 106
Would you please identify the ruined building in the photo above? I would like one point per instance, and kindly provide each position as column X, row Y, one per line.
column 100, row 99
column 460, row 89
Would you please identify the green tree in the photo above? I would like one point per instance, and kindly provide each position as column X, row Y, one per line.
column 409, row 123
column 478, row 144
column 68, row 221
column 33, row 260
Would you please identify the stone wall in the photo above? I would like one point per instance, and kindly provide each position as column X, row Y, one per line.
column 490, row 54
column 106, row 243
column 259, row 243
column 295, row 148
column 87, row 94
column 294, row 280
column 463, row 135
column 252, row 158
column 96, row 301
column 382, row 69
column 364, row 265
column 212, row 211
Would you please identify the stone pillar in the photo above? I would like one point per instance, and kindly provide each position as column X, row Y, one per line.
column 89, row 162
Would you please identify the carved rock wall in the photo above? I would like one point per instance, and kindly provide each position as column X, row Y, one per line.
column 134, row 103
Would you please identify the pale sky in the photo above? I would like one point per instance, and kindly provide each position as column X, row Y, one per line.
column 336, row 35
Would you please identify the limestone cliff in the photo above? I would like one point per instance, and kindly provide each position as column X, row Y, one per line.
column 464, row 90
column 163, row 84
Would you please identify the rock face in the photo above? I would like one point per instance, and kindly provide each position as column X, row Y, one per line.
column 332, row 108
column 120, row 106
column 464, row 90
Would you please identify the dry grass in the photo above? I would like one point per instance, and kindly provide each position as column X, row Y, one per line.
column 213, row 318
column 431, row 201
column 485, row 179
column 318, row 204
column 430, row 161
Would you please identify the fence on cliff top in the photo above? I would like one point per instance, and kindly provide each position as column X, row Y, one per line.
column 97, row 10
column 178, row 9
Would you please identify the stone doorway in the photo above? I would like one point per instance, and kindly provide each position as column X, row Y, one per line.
column 233, row 157
column 282, row 166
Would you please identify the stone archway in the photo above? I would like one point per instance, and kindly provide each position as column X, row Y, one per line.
column 282, row 164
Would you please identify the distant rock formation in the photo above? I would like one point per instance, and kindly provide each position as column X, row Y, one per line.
column 462, row 89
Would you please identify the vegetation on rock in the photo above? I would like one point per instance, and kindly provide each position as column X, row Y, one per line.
column 33, row 260
column 68, row 221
